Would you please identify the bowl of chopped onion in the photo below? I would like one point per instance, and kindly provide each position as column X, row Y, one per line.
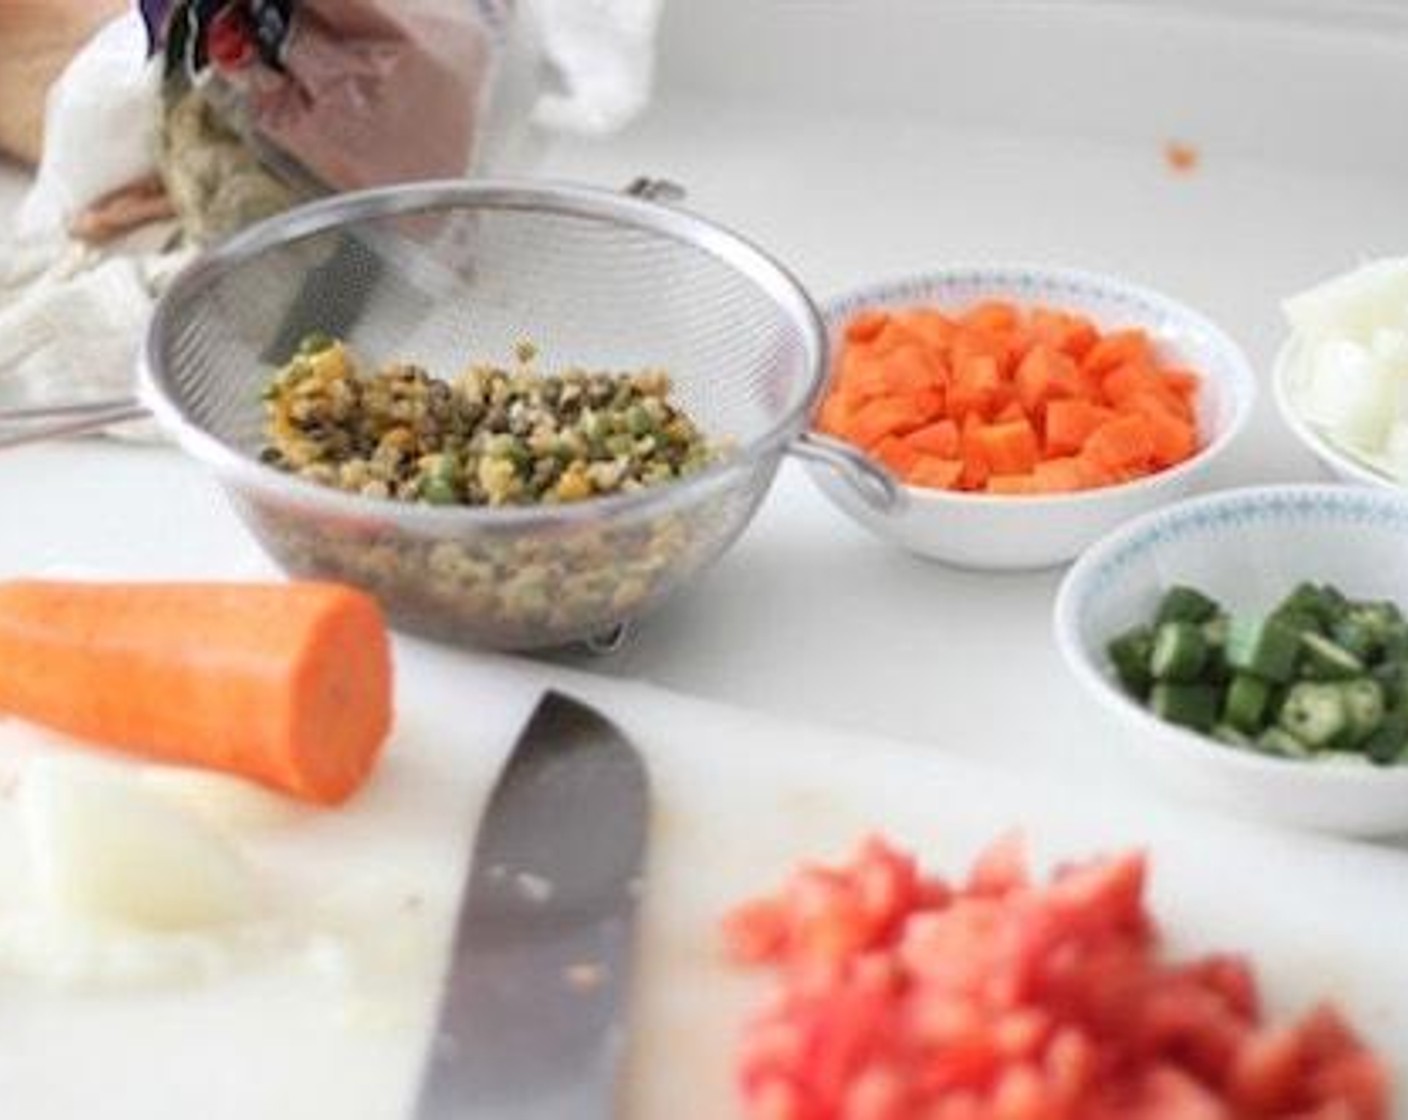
column 1340, row 380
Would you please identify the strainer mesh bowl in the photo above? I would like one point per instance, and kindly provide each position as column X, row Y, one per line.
column 451, row 275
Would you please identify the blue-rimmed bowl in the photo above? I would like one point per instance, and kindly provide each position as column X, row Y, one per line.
column 1016, row 532
column 1247, row 549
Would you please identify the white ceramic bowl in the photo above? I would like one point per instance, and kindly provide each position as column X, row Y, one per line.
column 1040, row 531
column 1247, row 548
column 1287, row 382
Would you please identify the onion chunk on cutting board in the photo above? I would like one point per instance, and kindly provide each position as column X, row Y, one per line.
column 105, row 851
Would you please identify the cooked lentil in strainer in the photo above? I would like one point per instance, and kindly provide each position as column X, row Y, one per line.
column 490, row 437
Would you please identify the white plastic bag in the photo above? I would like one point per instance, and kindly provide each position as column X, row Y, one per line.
column 99, row 128
column 602, row 53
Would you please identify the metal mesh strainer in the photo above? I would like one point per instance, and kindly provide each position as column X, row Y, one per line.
column 447, row 274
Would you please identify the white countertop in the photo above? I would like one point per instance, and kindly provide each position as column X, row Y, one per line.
column 808, row 616
column 853, row 148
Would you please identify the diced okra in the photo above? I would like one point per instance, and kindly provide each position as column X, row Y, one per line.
column 1356, row 637
column 1389, row 741
column 1247, row 704
column 1378, row 620
column 1302, row 622
column 1395, row 645
column 1129, row 654
column 1266, row 647
column 1318, row 677
column 1184, row 604
column 1328, row 661
column 1278, row 741
column 1393, row 677
column 1179, row 653
column 1189, row 705
column 1323, row 603
column 1216, row 670
column 1364, row 707
column 1214, row 630
column 1226, row 733
column 1315, row 713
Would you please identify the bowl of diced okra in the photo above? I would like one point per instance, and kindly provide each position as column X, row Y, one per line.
column 1251, row 649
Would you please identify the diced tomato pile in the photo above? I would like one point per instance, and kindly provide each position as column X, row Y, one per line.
column 905, row 997
column 1009, row 400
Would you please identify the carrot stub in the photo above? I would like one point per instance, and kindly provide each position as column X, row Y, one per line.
column 285, row 684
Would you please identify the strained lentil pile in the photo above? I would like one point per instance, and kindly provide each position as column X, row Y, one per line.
column 490, row 437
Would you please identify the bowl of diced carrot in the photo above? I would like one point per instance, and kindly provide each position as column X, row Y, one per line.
column 1027, row 410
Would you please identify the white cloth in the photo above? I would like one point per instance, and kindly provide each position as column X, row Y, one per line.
column 72, row 318
column 100, row 126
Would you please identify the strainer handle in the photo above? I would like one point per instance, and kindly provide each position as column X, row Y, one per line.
column 873, row 484
column 654, row 190
column 20, row 426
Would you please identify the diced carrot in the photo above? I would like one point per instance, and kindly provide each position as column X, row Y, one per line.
column 1011, row 411
column 885, row 416
column 909, row 369
column 835, row 416
column 1174, row 434
column 977, row 385
column 890, row 338
column 1070, row 422
column 1073, row 335
column 969, row 344
column 1046, row 374
column 1123, row 384
column 1058, row 476
column 1118, row 348
column 992, row 316
column 897, row 454
column 1037, row 400
column 936, row 473
column 865, row 326
column 289, row 685
column 1184, row 382
column 1149, row 400
column 932, row 328
column 928, row 404
column 862, row 375
column 1174, row 439
column 1010, row 448
column 939, row 438
column 975, row 463
column 1093, row 474
column 1123, row 443
column 1011, row 484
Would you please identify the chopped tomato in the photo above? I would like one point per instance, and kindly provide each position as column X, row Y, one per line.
column 905, row 997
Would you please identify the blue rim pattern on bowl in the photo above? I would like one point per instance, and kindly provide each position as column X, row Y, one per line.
column 1027, row 282
column 1234, row 508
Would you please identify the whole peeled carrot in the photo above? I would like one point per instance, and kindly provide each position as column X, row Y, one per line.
column 286, row 684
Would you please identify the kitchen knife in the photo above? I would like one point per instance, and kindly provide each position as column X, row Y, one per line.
column 532, row 1023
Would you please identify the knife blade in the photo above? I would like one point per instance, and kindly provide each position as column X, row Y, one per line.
column 532, row 1019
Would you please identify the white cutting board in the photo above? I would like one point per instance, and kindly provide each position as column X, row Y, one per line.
column 737, row 800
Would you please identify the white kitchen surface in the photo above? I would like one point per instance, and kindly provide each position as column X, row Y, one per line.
column 855, row 146
column 856, row 139
column 899, row 141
